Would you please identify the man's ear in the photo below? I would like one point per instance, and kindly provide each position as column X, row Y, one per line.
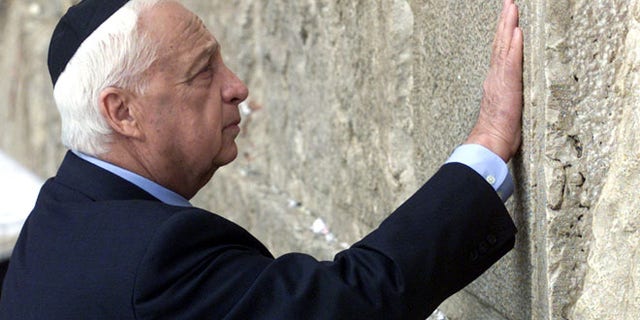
column 116, row 107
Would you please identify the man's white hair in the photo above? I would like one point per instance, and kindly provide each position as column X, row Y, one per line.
column 116, row 54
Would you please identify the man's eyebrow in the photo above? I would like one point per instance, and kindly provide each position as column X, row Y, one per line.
column 201, row 59
column 213, row 48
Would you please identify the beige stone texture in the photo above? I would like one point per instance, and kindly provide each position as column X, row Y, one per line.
column 354, row 104
column 611, row 287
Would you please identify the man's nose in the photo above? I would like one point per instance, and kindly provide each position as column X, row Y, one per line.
column 234, row 90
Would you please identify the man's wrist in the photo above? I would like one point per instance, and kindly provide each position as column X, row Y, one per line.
column 489, row 142
column 487, row 164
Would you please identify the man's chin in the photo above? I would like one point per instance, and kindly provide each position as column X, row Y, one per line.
column 227, row 156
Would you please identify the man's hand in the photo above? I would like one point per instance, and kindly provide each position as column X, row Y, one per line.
column 499, row 122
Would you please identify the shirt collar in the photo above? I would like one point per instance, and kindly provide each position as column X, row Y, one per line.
column 163, row 194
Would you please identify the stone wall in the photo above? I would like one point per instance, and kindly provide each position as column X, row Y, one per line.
column 354, row 104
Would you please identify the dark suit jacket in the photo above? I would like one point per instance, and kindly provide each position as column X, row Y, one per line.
column 97, row 247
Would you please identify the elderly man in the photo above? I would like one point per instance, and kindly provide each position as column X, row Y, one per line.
column 149, row 112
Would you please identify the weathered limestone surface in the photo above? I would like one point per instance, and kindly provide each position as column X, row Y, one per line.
column 611, row 287
column 590, row 68
column 354, row 104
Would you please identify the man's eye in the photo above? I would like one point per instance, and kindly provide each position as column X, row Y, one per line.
column 208, row 71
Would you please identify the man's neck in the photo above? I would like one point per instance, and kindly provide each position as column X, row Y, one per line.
column 155, row 189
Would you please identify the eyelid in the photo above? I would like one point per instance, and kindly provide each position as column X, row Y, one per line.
column 206, row 71
column 207, row 68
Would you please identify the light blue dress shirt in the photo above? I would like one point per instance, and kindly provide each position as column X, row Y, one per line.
column 486, row 163
column 161, row 193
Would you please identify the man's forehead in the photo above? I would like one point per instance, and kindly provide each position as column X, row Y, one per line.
column 184, row 43
column 174, row 23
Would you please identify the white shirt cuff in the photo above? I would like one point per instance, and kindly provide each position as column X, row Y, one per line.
column 487, row 164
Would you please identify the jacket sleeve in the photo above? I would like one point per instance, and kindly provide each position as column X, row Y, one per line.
column 199, row 265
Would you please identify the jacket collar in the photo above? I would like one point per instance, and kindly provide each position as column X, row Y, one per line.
column 95, row 182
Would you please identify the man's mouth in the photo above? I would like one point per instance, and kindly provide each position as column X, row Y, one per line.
column 235, row 123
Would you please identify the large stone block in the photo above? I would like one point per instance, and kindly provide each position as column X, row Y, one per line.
column 585, row 53
column 353, row 106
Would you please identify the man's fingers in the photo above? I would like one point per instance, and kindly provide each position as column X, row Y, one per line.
column 516, row 50
column 502, row 40
column 511, row 21
column 500, row 26
column 513, row 64
column 506, row 35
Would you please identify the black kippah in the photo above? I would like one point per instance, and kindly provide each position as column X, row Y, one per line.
column 75, row 27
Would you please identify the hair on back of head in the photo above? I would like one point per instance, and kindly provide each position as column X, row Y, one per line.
column 116, row 54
